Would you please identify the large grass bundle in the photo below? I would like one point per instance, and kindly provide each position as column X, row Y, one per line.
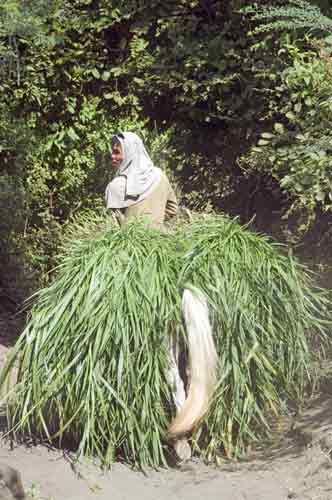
column 93, row 357
column 265, row 311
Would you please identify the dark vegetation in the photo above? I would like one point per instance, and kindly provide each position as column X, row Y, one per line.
column 235, row 104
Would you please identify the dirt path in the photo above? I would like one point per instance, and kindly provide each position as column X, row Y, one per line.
column 49, row 474
column 297, row 466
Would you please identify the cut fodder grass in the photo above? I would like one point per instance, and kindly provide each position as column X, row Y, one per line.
column 93, row 357
column 265, row 310
column 93, row 360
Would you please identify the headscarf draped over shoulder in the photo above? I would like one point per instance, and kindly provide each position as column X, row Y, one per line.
column 136, row 176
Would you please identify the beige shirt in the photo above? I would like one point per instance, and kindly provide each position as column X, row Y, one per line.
column 160, row 203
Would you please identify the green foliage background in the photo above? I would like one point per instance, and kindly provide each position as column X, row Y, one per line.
column 237, row 111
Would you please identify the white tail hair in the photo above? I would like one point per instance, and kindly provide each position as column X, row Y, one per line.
column 202, row 363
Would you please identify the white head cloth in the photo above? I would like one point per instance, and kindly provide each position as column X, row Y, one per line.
column 136, row 175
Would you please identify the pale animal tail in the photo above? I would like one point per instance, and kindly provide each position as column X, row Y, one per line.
column 202, row 363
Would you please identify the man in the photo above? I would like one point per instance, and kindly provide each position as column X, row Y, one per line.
column 139, row 188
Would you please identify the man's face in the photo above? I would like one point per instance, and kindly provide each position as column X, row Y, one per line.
column 117, row 155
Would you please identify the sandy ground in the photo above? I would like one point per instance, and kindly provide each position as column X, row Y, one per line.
column 296, row 466
column 47, row 474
